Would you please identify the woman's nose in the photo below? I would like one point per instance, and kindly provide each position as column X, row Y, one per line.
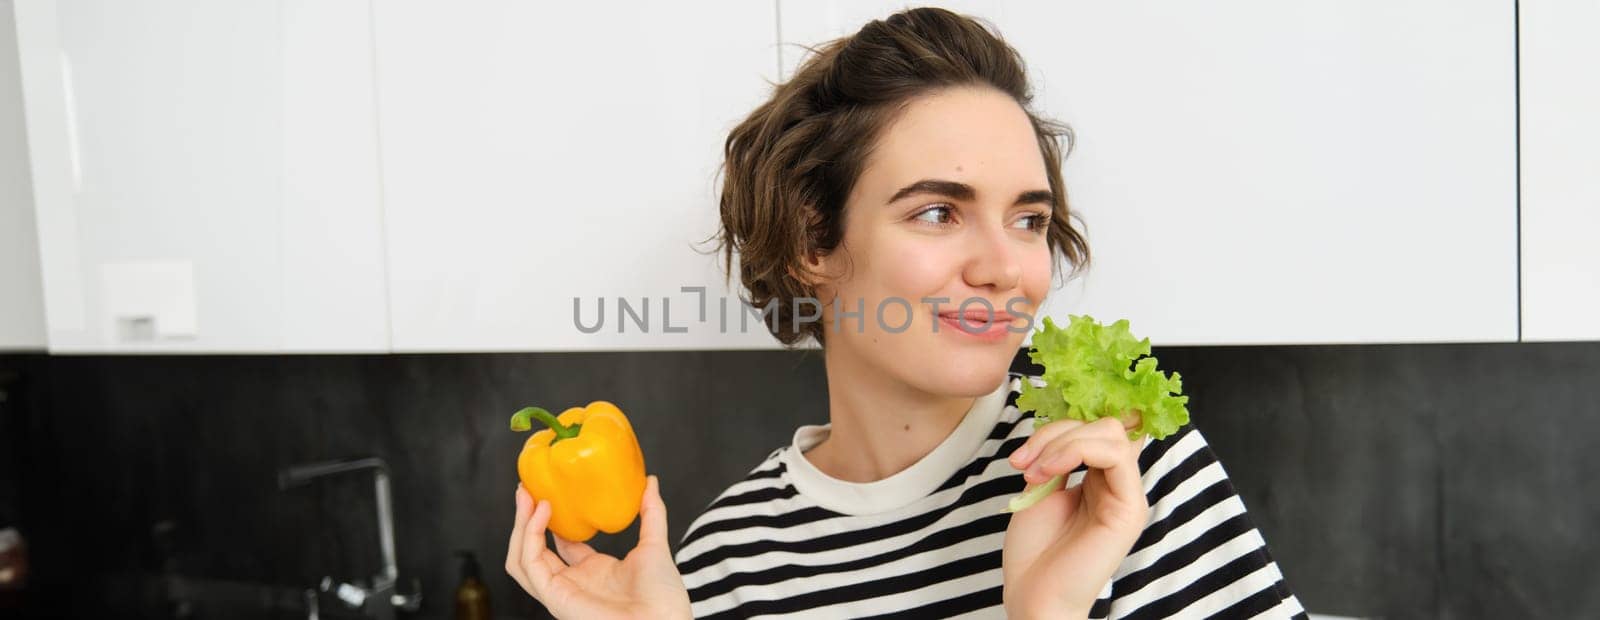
column 993, row 262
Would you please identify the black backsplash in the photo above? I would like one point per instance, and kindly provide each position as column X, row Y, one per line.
column 1396, row 480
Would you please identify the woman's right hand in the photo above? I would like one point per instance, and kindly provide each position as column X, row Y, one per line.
column 583, row 583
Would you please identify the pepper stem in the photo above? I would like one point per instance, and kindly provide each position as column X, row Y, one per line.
column 521, row 421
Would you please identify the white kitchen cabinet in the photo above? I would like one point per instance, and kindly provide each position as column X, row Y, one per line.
column 534, row 153
column 1560, row 170
column 21, row 295
column 205, row 175
column 1260, row 172
column 399, row 175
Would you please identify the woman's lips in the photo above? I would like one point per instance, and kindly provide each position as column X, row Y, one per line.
column 977, row 324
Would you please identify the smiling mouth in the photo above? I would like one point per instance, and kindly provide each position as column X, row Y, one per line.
column 981, row 324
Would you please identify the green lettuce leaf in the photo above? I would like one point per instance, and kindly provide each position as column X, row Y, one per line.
column 1093, row 371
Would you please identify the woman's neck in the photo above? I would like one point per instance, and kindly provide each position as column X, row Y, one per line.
column 880, row 425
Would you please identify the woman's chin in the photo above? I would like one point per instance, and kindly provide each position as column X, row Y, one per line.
column 969, row 373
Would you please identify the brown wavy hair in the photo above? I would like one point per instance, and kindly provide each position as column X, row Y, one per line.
column 790, row 165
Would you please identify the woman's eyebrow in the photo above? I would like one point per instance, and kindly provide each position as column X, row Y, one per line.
column 1036, row 197
column 962, row 191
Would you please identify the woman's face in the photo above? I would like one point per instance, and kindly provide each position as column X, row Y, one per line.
column 950, row 211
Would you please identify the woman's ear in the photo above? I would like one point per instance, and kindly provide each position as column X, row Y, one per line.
column 817, row 269
column 810, row 270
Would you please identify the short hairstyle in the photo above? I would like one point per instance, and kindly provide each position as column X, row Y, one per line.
column 790, row 165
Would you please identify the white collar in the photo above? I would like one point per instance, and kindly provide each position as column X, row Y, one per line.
column 910, row 484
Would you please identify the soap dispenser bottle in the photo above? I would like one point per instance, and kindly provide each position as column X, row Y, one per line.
column 472, row 598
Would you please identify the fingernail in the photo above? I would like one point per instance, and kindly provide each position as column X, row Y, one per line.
column 522, row 499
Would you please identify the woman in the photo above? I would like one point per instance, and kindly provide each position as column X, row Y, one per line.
column 898, row 174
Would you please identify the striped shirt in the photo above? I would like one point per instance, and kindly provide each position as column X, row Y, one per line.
column 790, row 540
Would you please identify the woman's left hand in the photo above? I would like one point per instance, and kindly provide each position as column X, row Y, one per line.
column 1060, row 553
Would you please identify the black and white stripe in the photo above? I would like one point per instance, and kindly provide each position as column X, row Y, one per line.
column 762, row 548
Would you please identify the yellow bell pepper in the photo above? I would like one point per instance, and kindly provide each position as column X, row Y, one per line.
column 587, row 464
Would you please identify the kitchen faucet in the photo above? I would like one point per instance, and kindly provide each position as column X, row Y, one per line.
column 382, row 598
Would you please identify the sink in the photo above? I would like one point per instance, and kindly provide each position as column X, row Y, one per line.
column 199, row 598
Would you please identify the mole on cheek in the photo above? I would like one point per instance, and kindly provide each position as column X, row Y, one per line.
column 908, row 427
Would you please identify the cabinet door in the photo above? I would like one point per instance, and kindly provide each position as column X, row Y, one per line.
column 335, row 293
column 1259, row 172
column 205, row 174
column 1560, row 185
column 538, row 153
column 21, row 295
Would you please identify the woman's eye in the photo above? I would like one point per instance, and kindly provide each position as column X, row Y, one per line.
column 1036, row 221
column 935, row 215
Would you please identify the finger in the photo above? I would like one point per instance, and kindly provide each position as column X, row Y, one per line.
column 1028, row 453
column 1132, row 419
column 1060, row 433
column 518, row 531
column 573, row 552
column 1066, row 454
column 537, row 562
column 553, row 561
column 652, row 515
column 1114, row 426
column 1117, row 427
column 1115, row 462
column 1025, row 454
column 539, row 524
